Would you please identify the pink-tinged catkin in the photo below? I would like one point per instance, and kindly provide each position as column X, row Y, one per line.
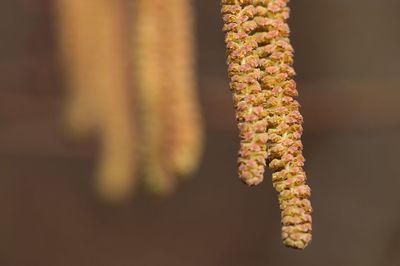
column 260, row 60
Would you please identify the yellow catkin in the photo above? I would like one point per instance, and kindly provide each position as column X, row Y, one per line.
column 99, row 75
column 77, row 60
column 149, row 58
column 260, row 60
column 184, row 128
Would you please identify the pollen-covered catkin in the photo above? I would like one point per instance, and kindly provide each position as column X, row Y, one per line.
column 260, row 60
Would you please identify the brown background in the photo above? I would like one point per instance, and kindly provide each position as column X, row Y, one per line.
column 347, row 61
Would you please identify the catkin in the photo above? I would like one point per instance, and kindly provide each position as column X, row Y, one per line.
column 116, row 170
column 92, row 47
column 182, row 112
column 149, row 57
column 76, row 57
column 260, row 60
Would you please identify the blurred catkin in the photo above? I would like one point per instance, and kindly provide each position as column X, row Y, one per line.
column 172, row 133
column 184, row 129
column 260, row 60
column 99, row 96
column 149, row 57
column 77, row 60
column 92, row 48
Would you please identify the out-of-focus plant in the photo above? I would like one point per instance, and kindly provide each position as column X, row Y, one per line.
column 152, row 129
column 260, row 60
column 91, row 44
column 164, row 57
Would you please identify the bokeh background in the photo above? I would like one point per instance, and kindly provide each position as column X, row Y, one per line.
column 347, row 60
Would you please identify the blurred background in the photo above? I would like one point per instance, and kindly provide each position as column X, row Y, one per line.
column 348, row 77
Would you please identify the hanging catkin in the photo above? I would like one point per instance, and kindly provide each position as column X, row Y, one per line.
column 115, row 178
column 77, row 60
column 260, row 60
column 149, row 57
column 183, row 130
column 92, row 41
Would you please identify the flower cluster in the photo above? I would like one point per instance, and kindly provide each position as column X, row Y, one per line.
column 260, row 60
